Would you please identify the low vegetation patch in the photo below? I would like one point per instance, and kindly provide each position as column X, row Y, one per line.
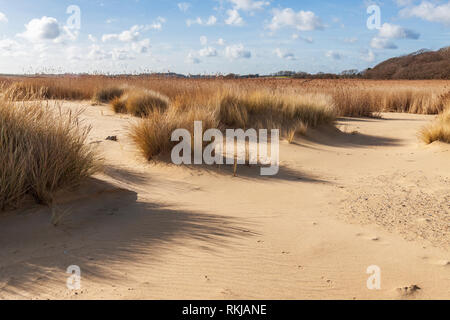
column 292, row 114
column 41, row 152
column 439, row 130
column 106, row 95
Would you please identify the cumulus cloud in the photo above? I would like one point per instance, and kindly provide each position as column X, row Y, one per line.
column 141, row 46
column 74, row 53
column 184, row 6
column 203, row 40
column 125, row 36
column 382, row 43
column 122, row 54
column 306, row 39
column 212, row 20
column 284, row 55
column 46, row 28
column 368, row 55
column 429, row 11
column 92, row 38
column 192, row 59
column 302, row 20
column 221, row 42
column 156, row 25
column 234, row 18
column 392, row 31
column 249, row 5
column 237, row 52
column 97, row 53
column 208, row 52
column 3, row 18
column 333, row 55
column 8, row 44
column 133, row 34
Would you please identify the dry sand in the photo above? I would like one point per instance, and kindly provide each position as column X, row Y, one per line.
column 369, row 194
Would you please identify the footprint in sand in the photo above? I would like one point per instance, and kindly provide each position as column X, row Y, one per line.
column 227, row 292
column 407, row 292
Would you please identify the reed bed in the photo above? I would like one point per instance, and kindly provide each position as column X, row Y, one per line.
column 349, row 97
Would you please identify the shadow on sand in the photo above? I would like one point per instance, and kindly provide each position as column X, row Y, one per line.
column 108, row 228
column 331, row 136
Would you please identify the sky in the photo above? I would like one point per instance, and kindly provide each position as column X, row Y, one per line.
column 214, row 36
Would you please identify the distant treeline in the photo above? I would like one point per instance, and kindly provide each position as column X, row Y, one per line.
column 421, row 65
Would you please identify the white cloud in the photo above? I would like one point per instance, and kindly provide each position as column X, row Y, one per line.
column 382, row 43
column 46, row 28
column 249, row 5
column 125, row 36
column 122, row 54
column 192, row 59
column 3, row 17
column 234, row 18
column 296, row 36
column 74, row 53
column 203, row 40
column 429, row 11
column 237, row 52
column 141, row 46
column 208, row 52
column 92, row 38
column 212, row 20
column 392, row 31
column 221, row 42
column 156, row 25
column 8, row 44
column 134, row 33
column 333, row 55
column 97, row 53
column 184, row 6
column 368, row 55
column 284, row 55
column 302, row 20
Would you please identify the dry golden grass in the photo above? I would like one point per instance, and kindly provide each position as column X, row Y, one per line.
column 350, row 97
column 268, row 110
column 152, row 135
column 41, row 152
column 291, row 114
column 108, row 94
column 119, row 104
column 142, row 102
column 438, row 130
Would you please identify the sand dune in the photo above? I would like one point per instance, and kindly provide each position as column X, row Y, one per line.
column 367, row 194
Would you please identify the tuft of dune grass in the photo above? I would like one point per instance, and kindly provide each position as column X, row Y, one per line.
column 119, row 104
column 41, row 153
column 152, row 135
column 139, row 102
column 292, row 114
column 439, row 130
column 267, row 110
column 106, row 95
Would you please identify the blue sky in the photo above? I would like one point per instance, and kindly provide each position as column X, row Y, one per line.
column 214, row 36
